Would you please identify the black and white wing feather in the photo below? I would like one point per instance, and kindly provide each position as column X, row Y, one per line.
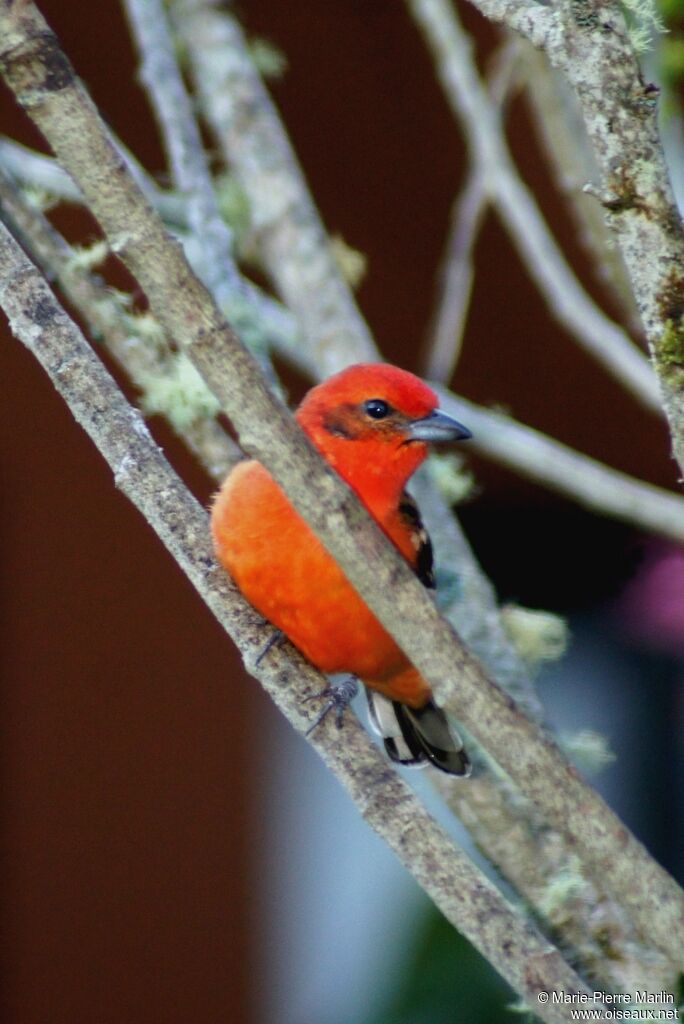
column 415, row 736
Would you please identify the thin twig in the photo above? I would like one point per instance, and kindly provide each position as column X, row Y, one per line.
column 445, row 336
column 260, row 316
column 144, row 360
column 590, row 44
column 161, row 77
column 555, row 465
column 291, row 241
column 462, row 892
column 212, row 256
column 565, row 297
column 456, row 278
column 28, row 167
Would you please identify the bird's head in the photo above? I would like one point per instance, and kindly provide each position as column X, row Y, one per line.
column 374, row 421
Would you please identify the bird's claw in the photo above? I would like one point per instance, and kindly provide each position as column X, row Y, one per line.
column 340, row 695
column 276, row 637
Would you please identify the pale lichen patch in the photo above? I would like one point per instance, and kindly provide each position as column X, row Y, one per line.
column 669, row 352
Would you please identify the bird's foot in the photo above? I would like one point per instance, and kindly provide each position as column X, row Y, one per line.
column 276, row 637
column 340, row 695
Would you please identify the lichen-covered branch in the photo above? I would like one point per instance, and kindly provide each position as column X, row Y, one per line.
column 137, row 344
column 460, row 890
column 546, row 264
column 292, row 243
column 588, row 41
column 45, row 84
column 557, row 120
column 212, row 254
column 548, row 876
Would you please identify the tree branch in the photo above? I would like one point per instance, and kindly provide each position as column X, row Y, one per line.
column 263, row 320
column 555, row 465
column 467, row 214
column 456, row 278
column 558, row 123
column 212, row 255
column 588, row 41
column 43, row 172
column 44, row 82
column 547, row 875
column 547, row 266
column 291, row 240
column 461, row 891
column 145, row 359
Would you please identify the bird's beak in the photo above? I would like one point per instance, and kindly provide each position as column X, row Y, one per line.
column 437, row 426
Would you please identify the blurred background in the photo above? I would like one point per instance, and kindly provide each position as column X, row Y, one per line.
column 172, row 851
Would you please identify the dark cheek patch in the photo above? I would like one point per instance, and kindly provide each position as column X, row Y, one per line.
column 343, row 421
column 351, row 422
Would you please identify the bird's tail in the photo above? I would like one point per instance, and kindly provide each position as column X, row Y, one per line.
column 414, row 736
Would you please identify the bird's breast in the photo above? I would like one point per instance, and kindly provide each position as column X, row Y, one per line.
column 289, row 577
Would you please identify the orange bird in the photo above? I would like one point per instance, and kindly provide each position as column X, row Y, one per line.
column 372, row 423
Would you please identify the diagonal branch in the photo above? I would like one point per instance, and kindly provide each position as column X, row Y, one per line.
column 211, row 255
column 557, row 121
column 467, row 215
column 44, row 82
column 516, row 206
column 146, row 360
column 466, row 897
column 588, row 41
column 292, row 242
column 456, row 278
column 555, row 465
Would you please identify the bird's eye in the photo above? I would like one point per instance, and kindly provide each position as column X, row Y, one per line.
column 376, row 408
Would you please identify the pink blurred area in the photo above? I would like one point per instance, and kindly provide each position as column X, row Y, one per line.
column 652, row 604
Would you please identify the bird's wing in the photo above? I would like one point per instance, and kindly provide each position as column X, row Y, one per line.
column 424, row 564
column 413, row 736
